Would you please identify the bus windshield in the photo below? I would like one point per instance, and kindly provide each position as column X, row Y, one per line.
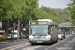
column 38, row 29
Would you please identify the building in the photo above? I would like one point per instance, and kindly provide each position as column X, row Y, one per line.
column 66, row 24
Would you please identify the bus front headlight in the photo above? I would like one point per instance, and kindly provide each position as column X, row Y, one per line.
column 48, row 36
column 30, row 36
column 30, row 39
column 48, row 39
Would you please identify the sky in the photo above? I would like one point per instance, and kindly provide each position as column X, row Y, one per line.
column 54, row 3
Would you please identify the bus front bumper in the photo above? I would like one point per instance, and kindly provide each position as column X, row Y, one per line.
column 40, row 40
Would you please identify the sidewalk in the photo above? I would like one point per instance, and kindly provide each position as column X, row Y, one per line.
column 9, row 41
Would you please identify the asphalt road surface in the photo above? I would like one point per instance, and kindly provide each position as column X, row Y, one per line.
column 66, row 44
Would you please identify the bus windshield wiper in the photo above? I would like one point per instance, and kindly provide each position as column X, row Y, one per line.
column 43, row 34
column 37, row 34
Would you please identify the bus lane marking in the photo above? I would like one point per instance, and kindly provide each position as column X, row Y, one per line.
column 31, row 48
column 15, row 46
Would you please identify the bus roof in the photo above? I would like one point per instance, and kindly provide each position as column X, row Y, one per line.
column 45, row 20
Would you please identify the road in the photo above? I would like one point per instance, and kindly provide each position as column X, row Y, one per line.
column 66, row 44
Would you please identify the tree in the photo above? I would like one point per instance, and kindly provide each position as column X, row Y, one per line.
column 14, row 9
column 4, row 9
column 29, row 7
column 57, row 14
column 71, row 9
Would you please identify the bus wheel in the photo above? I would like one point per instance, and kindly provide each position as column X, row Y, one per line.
column 0, row 40
column 32, row 43
column 56, row 41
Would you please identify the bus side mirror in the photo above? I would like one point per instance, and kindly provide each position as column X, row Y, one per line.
column 48, row 28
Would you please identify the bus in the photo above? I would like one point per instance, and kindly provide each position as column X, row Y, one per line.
column 43, row 31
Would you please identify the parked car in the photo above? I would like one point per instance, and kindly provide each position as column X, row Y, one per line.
column 10, row 37
column 3, row 35
column 15, row 35
column 61, row 34
column 68, row 32
column 26, row 35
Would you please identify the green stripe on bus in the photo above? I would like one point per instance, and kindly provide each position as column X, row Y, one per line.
column 29, row 23
column 49, row 23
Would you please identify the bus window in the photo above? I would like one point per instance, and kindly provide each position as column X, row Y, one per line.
column 52, row 26
column 49, row 30
column 38, row 29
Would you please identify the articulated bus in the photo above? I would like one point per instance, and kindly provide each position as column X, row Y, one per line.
column 43, row 31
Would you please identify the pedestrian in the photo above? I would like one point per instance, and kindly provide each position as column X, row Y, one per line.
column 70, row 30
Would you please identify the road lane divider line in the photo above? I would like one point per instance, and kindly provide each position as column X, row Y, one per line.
column 58, row 42
column 31, row 48
column 19, row 46
column 15, row 46
column 68, row 35
column 70, row 42
column 13, row 41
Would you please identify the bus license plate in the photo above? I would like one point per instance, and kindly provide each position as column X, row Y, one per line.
column 39, row 41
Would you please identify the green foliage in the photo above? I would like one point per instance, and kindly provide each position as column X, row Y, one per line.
column 28, row 10
column 14, row 9
column 56, row 14
column 29, row 7
column 71, row 9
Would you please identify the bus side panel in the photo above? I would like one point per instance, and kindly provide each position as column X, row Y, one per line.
column 54, row 33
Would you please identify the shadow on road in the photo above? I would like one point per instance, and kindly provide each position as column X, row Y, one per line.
column 43, row 44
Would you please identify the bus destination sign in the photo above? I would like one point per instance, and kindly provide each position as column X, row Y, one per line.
column 37, row 22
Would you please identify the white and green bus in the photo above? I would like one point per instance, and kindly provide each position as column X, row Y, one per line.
column 43, row 31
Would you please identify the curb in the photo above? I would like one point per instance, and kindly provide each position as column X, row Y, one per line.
column 3, row 42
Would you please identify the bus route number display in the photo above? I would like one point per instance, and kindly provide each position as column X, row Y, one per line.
column 33, row 23
column 38, row 22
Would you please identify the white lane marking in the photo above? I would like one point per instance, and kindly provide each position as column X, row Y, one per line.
column 2, row 42
column 68, row 35
column 31, row 48
column 64, row 48
column 9, row 43
column 58, row 42
column 15, row 46
column 67, row 45
column 20, row 46
column 73, row 39
column 70, row 43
